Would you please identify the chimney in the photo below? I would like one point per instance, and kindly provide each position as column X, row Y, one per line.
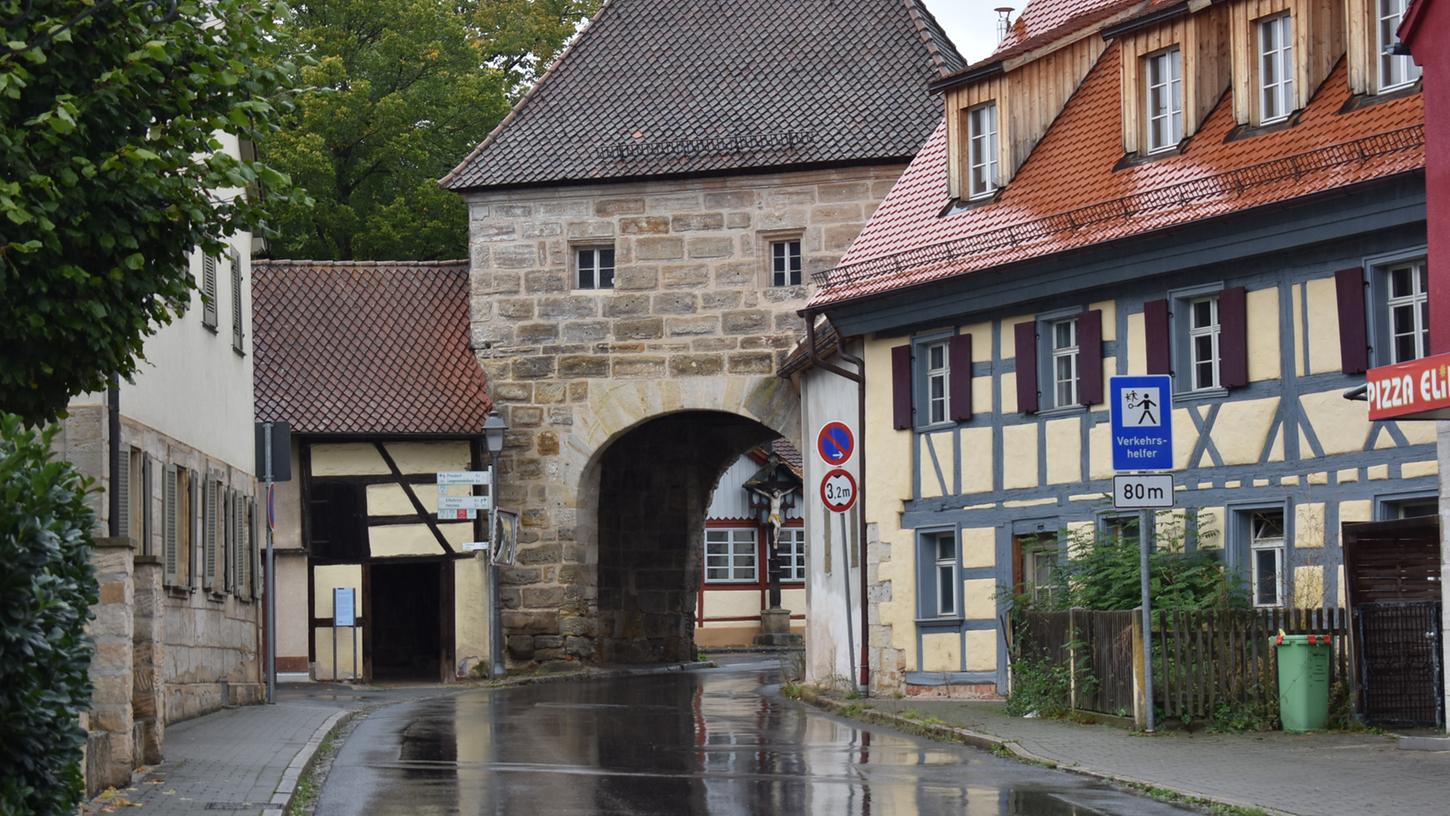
column 1004, row 21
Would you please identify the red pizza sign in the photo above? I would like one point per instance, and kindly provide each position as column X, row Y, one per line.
column 1419, row 389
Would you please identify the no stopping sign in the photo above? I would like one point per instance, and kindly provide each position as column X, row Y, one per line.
column 838, row 490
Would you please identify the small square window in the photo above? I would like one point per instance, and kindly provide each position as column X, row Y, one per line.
column 594, row 268
column 982, row 175
column 1163, row 85
column 785, row 263
column 1276, row 68
column 1395, row 70
column 730, row 555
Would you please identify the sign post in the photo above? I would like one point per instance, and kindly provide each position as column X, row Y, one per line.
column 1141, row 410
column 274, row 463
column 344, row 616
column 836, row 443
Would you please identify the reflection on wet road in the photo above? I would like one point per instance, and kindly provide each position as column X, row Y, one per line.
column 707, row 742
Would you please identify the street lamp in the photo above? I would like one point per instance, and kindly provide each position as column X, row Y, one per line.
column 494, row 429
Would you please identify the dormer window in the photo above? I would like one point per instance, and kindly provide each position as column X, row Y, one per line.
column 1395, row 71
column 1163, row 83
column 982, row 150
column 1276, row 68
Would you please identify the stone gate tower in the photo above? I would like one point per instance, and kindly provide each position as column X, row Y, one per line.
column 643, row 227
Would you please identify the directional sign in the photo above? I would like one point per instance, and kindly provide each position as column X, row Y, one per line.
column 838, row 490
column 457, row 515
column 463, row 502
column 1143, row 490
column 1142, row 426
column 475, row 546
column 463, row 477
column 835, row 443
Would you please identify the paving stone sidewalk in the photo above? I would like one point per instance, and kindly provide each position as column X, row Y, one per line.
column 232, row 761
column 1311, row 774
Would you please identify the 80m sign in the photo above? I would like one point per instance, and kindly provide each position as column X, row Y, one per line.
column 838, row 490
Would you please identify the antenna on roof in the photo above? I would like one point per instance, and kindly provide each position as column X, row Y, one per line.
column 1004, row 22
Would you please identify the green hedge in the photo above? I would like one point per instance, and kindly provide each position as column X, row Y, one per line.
column 47, row 588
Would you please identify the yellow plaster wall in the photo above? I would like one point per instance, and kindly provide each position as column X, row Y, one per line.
column 293, row 621
column 1109, row 309
column 1137, row 352
column 325, row 578
column 888, row 471
column 1242, row 428
column 470, row 609
column 1418, row 432
column 1323, row 328
column 981, row 650
column 1296, row 309
column 1009, row 334
column 1308, row 525
column 1009, row 393
column 347, row 459
column 1100, row 451
column 1263, row 335
column 1185, row 436
column 391, row 500
column 976, row 459
column 1308, row 586
column 429, row 457
column 941, row 652
column 1211, row 529
column 981, row 341
column 1412, row 470
column 980, row 599
column 1064, row 451
column 793, row 599
column 416, row 539
column 1019, row 456
column 734, row 603
column 1342, row 425
column 346, row 647
column 941, row 445
column 1356, row 510
column 979, row 547
column 981, row 392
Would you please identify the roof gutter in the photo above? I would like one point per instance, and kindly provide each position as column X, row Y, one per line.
column 1172, row 12
column 968, row 76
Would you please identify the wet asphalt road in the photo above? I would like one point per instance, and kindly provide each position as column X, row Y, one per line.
column 718, row 741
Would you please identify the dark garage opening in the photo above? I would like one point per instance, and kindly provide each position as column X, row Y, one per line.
column 407, row 621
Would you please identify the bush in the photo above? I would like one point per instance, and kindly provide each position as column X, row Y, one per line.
column 1039, row 687
column 46, row 590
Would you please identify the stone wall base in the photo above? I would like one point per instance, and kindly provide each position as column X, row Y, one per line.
column 955, row 691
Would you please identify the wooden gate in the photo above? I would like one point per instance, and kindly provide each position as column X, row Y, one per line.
column 1393, row 574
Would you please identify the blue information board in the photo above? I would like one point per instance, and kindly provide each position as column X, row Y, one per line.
column 1142, row 418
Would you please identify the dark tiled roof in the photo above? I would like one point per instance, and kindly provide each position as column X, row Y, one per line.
column 366, row 347
column 676, row 87
column 1071, row 193
column 799, row 359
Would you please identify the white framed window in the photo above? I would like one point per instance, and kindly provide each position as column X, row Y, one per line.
column 1203, row 334
column 1040, row 563
column 982, row 178
column 1124, row 529
column 938, row 375
column 730, row 556
column 1266, row 557
column 1395, row 71
column 1065, row 357
column 1276, row 68
column 594, row 267
column 1406, row 310
column 785, row 262
column 945, row 575
column 792, row 546
column 1163, row 85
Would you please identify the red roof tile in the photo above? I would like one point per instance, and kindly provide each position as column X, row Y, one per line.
column 1044, row 21
column 1069, row 195
column 366, row 347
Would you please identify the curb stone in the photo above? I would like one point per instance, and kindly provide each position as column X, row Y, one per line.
column 989, row 742
column 287, row 788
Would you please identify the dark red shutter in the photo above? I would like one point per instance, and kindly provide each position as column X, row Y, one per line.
column 1353, row 336
column 1090, row 357
column 961, row 367
column 1233, row 337
column 1026, row 335
column 1157, row 336
column 901, row 387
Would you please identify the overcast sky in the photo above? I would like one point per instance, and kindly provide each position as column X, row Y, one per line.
column 971, row 24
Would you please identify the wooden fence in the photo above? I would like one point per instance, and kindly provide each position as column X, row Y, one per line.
column 1200, row 659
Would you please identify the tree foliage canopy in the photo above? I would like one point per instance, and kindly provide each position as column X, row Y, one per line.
column 397, row 93
column 111, row 173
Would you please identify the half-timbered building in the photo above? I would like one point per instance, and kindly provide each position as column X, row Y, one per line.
column 369, row 364
column 1231, row 193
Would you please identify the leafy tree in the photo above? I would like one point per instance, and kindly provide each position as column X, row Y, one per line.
column 110, row 175
column 398, row 92
column 46, row 590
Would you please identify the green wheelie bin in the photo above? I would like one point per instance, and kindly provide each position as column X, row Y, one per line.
column 1303, row 681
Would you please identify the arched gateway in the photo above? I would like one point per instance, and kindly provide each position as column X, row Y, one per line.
column 643, row 228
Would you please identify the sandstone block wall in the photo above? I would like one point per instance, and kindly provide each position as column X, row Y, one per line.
column 691, row 324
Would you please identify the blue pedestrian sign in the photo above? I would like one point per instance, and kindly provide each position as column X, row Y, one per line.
column 1142, row 414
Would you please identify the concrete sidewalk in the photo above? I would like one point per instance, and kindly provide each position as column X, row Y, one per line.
column 1332, row 773
column 240, row 759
